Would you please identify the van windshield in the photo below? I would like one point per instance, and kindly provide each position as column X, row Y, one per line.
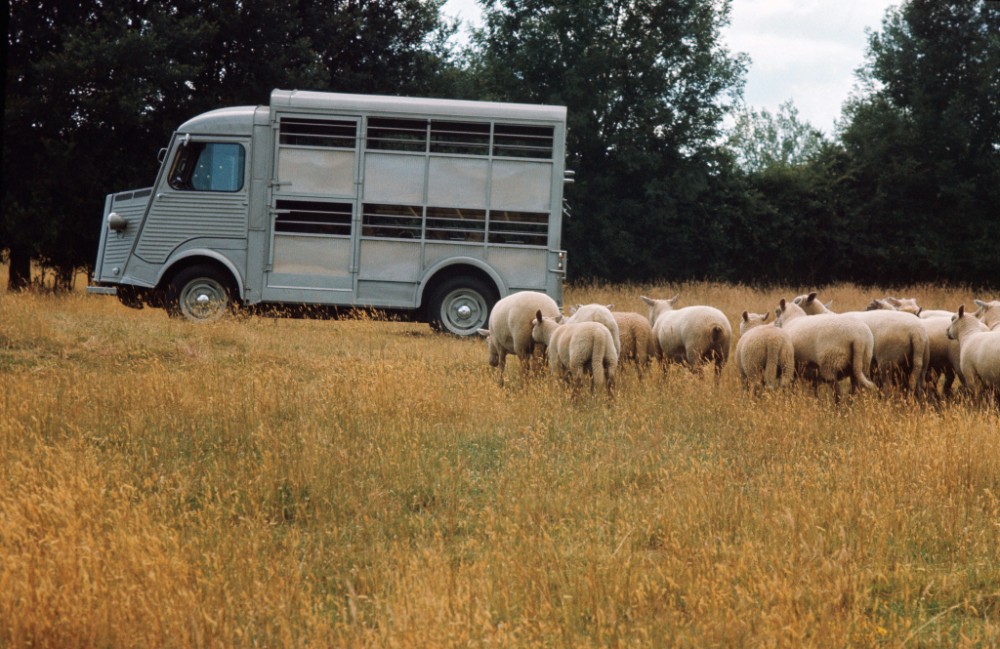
column 208, row 166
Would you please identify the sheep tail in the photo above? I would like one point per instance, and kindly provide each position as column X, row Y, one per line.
column 716, row 333
column 772, row 364
column 858, row 364
column 787, row 365
column 598, row 354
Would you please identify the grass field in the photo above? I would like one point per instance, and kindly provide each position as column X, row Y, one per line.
column 313, row 483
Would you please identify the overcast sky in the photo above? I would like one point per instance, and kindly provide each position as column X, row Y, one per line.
column 803, row 50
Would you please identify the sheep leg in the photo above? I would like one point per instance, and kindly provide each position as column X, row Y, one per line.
column 576, row 371
column 720, row 362
column 949, row 381
column 501, row 365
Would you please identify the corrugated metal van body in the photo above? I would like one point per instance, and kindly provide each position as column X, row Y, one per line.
column 180, row 217
column 342, row 199
column 116, row 246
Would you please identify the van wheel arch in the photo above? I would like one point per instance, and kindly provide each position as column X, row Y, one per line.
column 201, row 290
column 459, row 300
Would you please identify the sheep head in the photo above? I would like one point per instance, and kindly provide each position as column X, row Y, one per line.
column 962, row 323
column 750, row 320
column 656, row 307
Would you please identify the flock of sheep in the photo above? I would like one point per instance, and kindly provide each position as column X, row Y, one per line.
column 893, row 345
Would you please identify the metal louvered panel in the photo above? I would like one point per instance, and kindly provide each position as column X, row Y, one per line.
column 178, row 216
column 118, row 245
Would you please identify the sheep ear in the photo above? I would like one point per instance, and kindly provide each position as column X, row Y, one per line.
column 485, row 333
column 560, row 319
column 781, row 305
column 673, row 299
column 827, row 305
column 648, row 300
column 980, row 304
column 961, row 310
column 538, row 315
column 746, row 317
column 610, row 306
column 811, row 297
column 767, row 314
column 894, row 301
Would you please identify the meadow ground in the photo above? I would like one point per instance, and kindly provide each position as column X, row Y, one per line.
column 313, row 483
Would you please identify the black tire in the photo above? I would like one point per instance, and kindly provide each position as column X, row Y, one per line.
column 200, row 294
column 461, row 305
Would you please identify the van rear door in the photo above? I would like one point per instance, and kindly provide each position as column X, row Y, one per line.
column 314, row 206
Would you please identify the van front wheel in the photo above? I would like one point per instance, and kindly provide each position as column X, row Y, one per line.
column 461, row 306
column 200, row 294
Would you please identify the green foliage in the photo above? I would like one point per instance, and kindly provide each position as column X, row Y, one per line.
column 912, row 190
column 924, row 142
column 94, row 89
column 761, row 140
column 645, row 84
column 908, row 192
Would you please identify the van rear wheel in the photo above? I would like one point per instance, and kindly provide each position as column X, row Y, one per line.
column 200, row 294
column 461, row 305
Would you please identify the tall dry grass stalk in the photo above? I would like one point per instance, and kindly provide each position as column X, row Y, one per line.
column 282, row 482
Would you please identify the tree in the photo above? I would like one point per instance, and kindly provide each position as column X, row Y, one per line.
column 761, row 140
column 646, row 85
column 93, row 90
column 923, row 141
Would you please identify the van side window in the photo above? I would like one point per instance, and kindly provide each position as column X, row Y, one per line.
column 208, row 167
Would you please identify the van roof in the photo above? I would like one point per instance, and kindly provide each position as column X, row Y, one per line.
column 388, row 105
column 236, row 120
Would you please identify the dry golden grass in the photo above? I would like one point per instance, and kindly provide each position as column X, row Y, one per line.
column 281, row 482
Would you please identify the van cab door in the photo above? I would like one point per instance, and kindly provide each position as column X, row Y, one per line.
column 313, row 210
column 201, row 200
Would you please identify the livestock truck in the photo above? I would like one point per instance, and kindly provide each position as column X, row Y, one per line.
column 432, row 208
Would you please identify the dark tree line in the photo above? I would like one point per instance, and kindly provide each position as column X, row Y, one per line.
column 908, row 190
column 94, row 89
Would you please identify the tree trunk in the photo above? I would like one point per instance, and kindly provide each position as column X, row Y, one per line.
column 19, row 277
column 64, row 278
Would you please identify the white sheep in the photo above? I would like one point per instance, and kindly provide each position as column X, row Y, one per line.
column 576, row 348
column 636, row 337
column 764, row 353
column 828, row 347
column 901, row 353
column 694, row 334
column 943, row 358
column 989, row 313
column 510, row 328
column 980, row 353
column 600, row 314
column 909, row 305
